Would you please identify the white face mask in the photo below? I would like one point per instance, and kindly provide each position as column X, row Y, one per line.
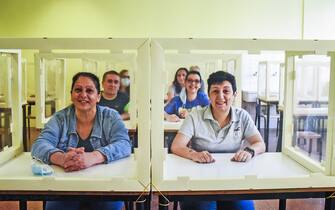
column 125, row 82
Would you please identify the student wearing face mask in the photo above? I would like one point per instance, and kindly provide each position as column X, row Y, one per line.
column 112, row 97
column 125, row 82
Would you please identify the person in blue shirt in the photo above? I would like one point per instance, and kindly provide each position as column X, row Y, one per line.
column 179, row 107
column 82, row 135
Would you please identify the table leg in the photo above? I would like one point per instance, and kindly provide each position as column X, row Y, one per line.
column 268, row 106
column 24, row 128
column 280, row 136
column 162, row 203
column 23, row 205
column 282, row 204
column 329, row 203
column 140, row 206
column 8, row 136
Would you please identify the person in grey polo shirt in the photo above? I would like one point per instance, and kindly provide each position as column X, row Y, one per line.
column 218, row 128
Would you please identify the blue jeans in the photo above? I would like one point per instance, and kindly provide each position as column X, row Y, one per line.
column 211, row 205
column 75, row 205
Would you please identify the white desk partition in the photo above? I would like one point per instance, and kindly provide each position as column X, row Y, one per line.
column 268, row 80
column 95, row 62
column 50, row 74
column 267, row 171
column 131, row 174
column 12, row 103
column 298, row 105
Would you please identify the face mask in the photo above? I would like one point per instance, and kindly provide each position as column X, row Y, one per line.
column 125, row 82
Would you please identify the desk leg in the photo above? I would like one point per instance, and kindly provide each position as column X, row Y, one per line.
column 329, row 203
column 8, row 135
column 23, row 205
column 161, row 203
column 24, row 128
column 258, row 115
column 280, row 136
column 282, row 204
column 29, row 115
column 140, row 206
column 267, row 126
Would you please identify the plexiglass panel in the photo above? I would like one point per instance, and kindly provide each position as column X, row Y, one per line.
column 282, row 84
column 261, row 88
column 53, row 68
column 90, row 65
column 6, row 71
column 310, row 111
column 268, row 80
column 24, row 86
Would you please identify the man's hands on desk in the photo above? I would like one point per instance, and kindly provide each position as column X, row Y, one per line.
column 76, row 159
column 206, row 157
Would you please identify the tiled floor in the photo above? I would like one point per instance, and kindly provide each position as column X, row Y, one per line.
column 296, row 204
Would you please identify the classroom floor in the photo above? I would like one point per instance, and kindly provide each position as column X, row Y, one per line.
column 292, row 204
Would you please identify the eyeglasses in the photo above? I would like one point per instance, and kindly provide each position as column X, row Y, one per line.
column 196, row 81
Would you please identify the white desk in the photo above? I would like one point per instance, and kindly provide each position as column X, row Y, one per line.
column 267, row 176
column 113, row 181
column 16, row 175
column 172, row 126
column 299, row 111
column 267, row 165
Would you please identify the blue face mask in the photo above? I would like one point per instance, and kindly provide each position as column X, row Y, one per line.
column 125, row 82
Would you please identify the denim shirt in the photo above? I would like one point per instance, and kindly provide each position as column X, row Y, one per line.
column 109, row 135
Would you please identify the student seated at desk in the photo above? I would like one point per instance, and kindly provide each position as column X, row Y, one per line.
column 178, row 83
column 179, row 106
column 83, row 135
column 111, row 96
column 125, row 82
column 218, row 128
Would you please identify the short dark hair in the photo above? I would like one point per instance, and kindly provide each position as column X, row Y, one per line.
column 193, row 72
column 93, row 77
column 220, row 76
column 109, row 72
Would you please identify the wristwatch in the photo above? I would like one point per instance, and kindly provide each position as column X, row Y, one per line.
column 251, row 151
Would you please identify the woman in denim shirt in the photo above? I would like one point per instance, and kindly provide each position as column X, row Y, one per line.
column 83, row 135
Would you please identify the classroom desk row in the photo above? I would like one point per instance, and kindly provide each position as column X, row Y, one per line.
column 96, row 183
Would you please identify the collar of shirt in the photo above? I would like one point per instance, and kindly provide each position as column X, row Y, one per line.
column 97, row 129
column 209, row 116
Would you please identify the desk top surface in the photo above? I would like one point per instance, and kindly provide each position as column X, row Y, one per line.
column 20, row 167
column 299, row 111
column 267, row 165
column 172, row 126
column 274, row 100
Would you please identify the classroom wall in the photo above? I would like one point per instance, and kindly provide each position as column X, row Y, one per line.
column 152, row 18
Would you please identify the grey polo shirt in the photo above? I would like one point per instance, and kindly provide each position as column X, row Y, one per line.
column 206, row 134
